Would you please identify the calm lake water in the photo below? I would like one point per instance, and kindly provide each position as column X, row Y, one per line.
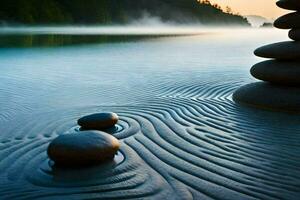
column 68, row 74
column 182, row 135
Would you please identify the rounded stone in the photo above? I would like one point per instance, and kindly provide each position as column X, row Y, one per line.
column 288, row 21
column 294, row 34
column 282, row 50
column 279, row 72
column 289, row 4
column 99, row 121
column 83, row 148
column 270, row 97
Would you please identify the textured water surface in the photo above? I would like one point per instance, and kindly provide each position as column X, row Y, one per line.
column 182, row 135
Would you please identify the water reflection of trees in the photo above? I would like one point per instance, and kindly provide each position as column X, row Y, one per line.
column 60, row 40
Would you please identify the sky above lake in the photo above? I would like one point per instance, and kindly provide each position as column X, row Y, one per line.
column 265, row 8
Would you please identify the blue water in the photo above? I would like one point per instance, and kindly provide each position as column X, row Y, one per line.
column 182, row 135
column 36, row 79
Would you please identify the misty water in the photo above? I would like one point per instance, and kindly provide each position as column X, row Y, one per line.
column 171, row 87
column 66, row 64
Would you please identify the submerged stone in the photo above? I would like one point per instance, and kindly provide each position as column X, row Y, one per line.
column 83, row 148
column 99, row 121
column 271, row 97
column 289, row 4
column 294, row 34
column 282, row 50
column 288, row 21
column 279, row 72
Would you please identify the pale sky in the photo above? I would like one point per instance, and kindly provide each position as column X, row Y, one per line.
column 265, row 8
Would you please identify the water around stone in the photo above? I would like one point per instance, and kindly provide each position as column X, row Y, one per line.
column 181, row 134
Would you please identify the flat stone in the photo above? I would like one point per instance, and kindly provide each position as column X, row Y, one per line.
column 83, row 148
column 99, row 121
column 289, row 4
column 288, row 21
column 282, row 50
column 271, row 97
column 294, row 34
column 279, row 72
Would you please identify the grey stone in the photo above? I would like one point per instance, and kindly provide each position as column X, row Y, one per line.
column 268, row 96
column 288, row 21
column 279, row 72
column 83, row 148
column 282, row 50
column 99, row 121
column 289, row 4
column 294, row 34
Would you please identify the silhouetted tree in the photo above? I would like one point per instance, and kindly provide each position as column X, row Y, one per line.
column 113, row 11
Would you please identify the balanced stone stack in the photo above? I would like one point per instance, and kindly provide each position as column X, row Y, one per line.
column 280, row 89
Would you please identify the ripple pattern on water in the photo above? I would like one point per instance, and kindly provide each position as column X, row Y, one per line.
column 186, row 142
column 182, row 136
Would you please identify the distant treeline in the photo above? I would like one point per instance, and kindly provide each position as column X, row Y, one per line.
column 113, row 11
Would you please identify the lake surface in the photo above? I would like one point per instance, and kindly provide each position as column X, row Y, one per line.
column 182, row 135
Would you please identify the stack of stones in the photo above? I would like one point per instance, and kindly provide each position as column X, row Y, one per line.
column 280, row 89
column 91, row 145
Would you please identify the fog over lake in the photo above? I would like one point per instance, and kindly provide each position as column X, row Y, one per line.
column 181, row 134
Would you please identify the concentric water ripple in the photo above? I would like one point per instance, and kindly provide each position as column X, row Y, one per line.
column 182, row 136
column 175, row 145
